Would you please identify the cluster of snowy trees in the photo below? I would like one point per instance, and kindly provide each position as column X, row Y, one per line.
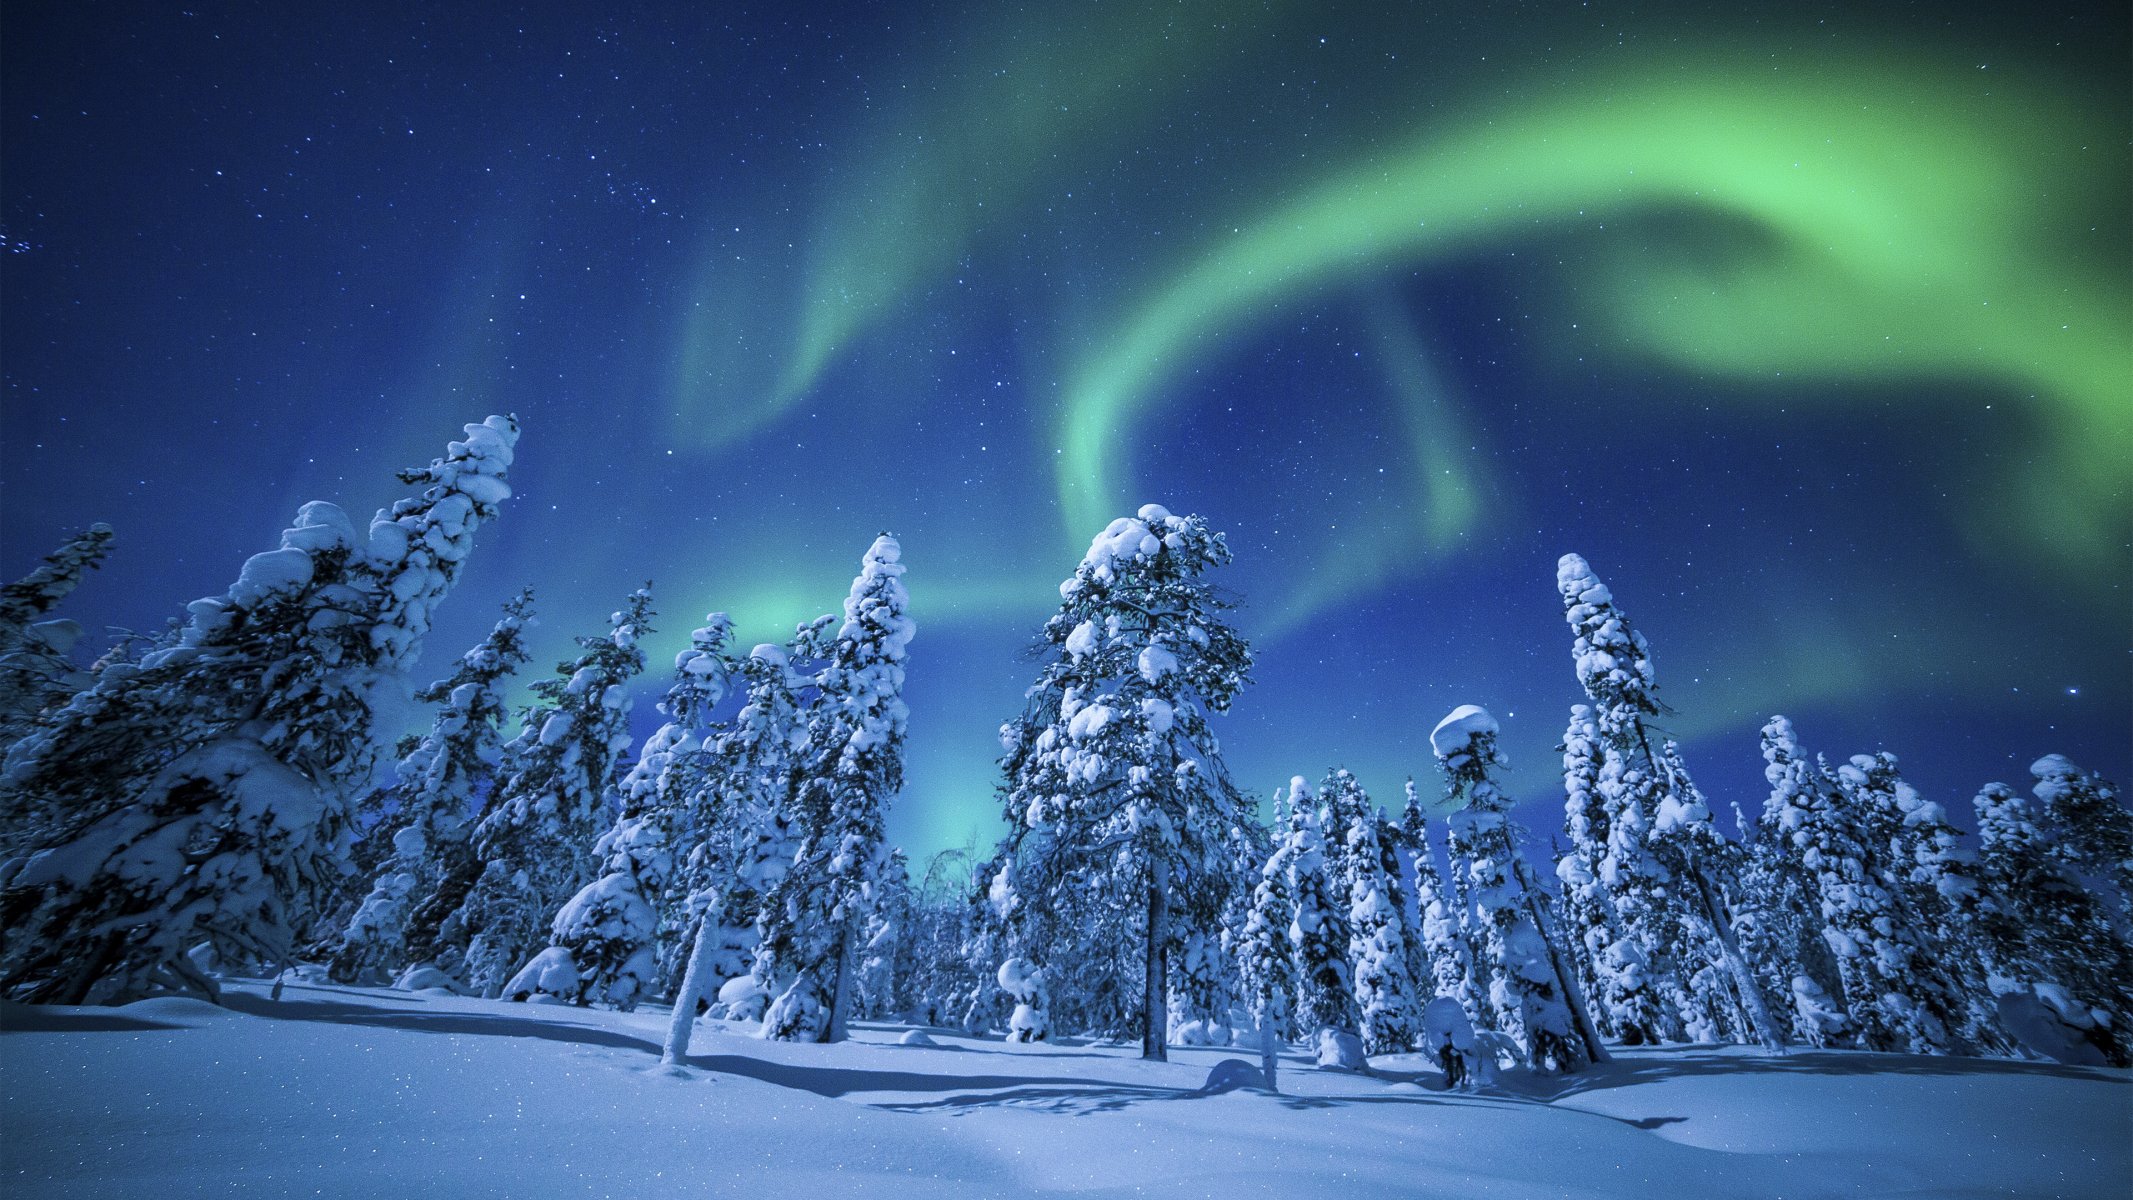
column 222, row 798
column 233, row 795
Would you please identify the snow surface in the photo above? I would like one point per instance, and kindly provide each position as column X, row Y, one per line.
column 344, row 1092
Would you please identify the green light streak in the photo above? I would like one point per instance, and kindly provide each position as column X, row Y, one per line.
column 1915, row 228
column 965, row 152
column 1442, row 505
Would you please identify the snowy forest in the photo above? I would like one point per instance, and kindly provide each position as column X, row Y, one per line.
column 262, row 791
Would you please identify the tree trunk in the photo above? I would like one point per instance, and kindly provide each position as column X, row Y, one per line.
column 694, row 979
column 1269, row 1018
column 1155, row 1013
column 1766, row 1030
column 841, row 986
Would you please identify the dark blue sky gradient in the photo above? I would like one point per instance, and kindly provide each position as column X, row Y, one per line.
column 262, row 254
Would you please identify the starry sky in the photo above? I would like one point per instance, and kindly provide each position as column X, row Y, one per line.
column 1809, row 324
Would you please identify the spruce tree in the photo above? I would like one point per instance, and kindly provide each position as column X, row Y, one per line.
column 36, row 673
column 610, row 928
column 857, row 743
column 1266, row 957
column 1781, row 896
column 2061, row 975
column 551, row 804
column 1326, row 1006
column 1585, row 903
column 206, row 788
column 1451, row 970
column 2094, row 832
column 1114, row 783
column 440, row 785
column 1662, row 852
column 1378, row 956
column 1522, row 976
column 741, row 837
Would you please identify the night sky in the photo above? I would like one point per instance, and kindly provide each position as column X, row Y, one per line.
column 1809, row 325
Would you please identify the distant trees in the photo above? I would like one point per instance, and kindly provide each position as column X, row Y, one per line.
column 195, row 804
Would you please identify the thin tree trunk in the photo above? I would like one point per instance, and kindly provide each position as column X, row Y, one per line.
column 1155, row 1013
column 1268, row 1058
column 841, row 986
column 1573, row 992
column 694, row 979
column 1766, row 1030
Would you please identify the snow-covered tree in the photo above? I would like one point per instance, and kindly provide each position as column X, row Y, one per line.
column 37, row 673
column 1114, row 784
column 1386, row 992
column 1585, row 906
column 550, row 807
column 205, row 788
column 885, row 943
column 24, row 602
column 606, row 934
column 1780, row 896
column 1326, row 1005
column 1521, row 967
column 440, row 787
column 1266, row 957
column 1444, row 949
column 2062, row 977
column 857, row 741
column 2094, row 831
column 742, row 836
column 1663, row 853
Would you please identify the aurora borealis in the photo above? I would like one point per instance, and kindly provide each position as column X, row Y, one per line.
column 1811, row 327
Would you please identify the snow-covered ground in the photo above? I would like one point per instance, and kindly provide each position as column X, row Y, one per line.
column 351, row 1092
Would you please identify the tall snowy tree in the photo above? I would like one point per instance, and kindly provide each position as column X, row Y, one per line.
column 1781, row 895
column 1451, row 967
column 36, row 672
column 857, row 740
column 551, row 804
column 439, row 789
column 1523, row 978
column 1585, row 904
column 2061, row 975
column 1326, row 1005
column 1385, row 990
column 1113, row 775
column 206, row 787
column 1662, row 847
column 742, row 838
column 605, row 936
column 1266, row 957
column 2094, row 832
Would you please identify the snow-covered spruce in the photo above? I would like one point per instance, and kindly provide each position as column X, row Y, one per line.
column 1586, row 910
column 857, row 755
column 1521, row 970
column 741, row 839
column 207, row 786
column 1387, row 995
column 550, row 805
column 608, row 931
column 2094, row 832
column 436, row 794
column 1676, row 967
column 1266, row 957
column 36, row 674
column 1780, row 902
column 2061, row 976
column 1117, row 800
column 1444, row 949
column 1326, row 1008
